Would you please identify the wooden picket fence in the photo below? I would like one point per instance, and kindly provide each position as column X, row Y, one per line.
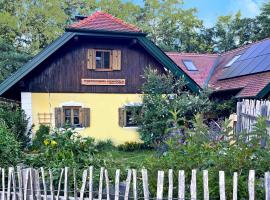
column 37, row 184
column 248, row 111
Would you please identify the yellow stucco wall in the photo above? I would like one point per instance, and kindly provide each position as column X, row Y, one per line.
column 103, row 116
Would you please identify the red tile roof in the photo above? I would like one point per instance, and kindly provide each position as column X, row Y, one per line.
column 105, row 22
column 203, row 62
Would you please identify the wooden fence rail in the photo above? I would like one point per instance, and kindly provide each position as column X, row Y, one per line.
column 38, row 184
column 248, row 111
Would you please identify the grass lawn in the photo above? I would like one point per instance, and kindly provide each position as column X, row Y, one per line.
column 126, row 160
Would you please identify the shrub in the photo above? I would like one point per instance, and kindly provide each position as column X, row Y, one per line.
column 10, row 153
column 162, row 95
column 227, row 153
column 64, row 148
column 41, row 134
column 102, row 145
column 132, row 146
column 15, row 120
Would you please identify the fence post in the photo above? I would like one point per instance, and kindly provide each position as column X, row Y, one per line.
column 3, row 184
column 181, row 185
column 267, row 185
column 193, row 185
column 66, row 184
column 59, row 184
column 90, row 182
column 251, row 185
column 117, row 180
column 235, row 185
column 134, row 174
column 44, row 183
column 263, row 114
column 239, row 118
column 20, row 183
column 75, row 188
column 222, row 185
column 205, row 185
column 128, row 180
column 160, row 181
column 145, row 184
column 83, row 184
column 170, row 190
column 107, row 184
column 100, row 183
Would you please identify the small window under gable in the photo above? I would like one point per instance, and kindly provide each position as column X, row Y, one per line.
column 235, row 58
column 190, row 65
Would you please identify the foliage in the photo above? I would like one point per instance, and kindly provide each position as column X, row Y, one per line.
column 10, row 152
column 15, row 120
column 103, row 145
column 132, row 146
column 38, row 140
column 10, row 59
column 227, row 152
column 162, row 96
column 223, row 109
column 64, row 148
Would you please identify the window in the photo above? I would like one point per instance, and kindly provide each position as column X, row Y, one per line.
column 235, row 58
column 190, row 65
column 73, row 116
column 45, row 118
column 103, row 59
column 128, row 116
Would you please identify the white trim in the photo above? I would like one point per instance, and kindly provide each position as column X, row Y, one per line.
column 71, row 103
column 26, row 103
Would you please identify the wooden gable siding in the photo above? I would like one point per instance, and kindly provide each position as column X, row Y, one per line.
column 63, row 71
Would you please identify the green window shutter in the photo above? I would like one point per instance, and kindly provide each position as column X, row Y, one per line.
column 85, row 117
column 122, row 117
column 58, row 113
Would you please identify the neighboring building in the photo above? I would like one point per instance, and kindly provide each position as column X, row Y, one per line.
column 90, row 77
column 240, row 73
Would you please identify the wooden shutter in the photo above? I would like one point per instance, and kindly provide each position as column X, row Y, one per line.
column 91, row 59
column 116, row 59
column 58, row 113
column 85, row 117
column 122, row 117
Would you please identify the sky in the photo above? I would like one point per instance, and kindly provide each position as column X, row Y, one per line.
column 209, row 10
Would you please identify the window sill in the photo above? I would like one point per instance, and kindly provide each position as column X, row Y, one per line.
column 131, row 127
column 104, row 70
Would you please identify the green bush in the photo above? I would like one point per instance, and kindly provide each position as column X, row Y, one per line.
column 226, row 152
column 64, row 148
column 15, row 120
column 103, row 145
column 162, row 95
column 10, row 153
column 132, row 146
column 38, row 140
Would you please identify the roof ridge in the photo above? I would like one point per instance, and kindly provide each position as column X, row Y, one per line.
column 89, row 18
column 192, row 54
column 244, row 46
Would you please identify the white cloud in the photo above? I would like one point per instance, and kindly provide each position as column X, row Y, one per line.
column 248, row 8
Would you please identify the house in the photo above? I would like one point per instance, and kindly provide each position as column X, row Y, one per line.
column 90, row 78
column 240, row 73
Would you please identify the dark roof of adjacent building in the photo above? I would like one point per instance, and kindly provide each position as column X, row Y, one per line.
column 250, row 73
column 104, row 21
column 102, row 25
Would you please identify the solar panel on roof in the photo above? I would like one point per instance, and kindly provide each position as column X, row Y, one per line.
column 254, row 60
column 190, row 65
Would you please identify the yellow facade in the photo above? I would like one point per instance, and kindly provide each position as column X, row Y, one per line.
column 103, row 117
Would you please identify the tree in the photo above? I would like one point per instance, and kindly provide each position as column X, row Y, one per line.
column 264, row 21
column 166, row 101
column 10, row 59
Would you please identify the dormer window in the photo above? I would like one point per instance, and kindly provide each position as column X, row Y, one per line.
column 190, row 65
column 234, row 59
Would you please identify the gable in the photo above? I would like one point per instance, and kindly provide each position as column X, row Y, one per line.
column 32, row 66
